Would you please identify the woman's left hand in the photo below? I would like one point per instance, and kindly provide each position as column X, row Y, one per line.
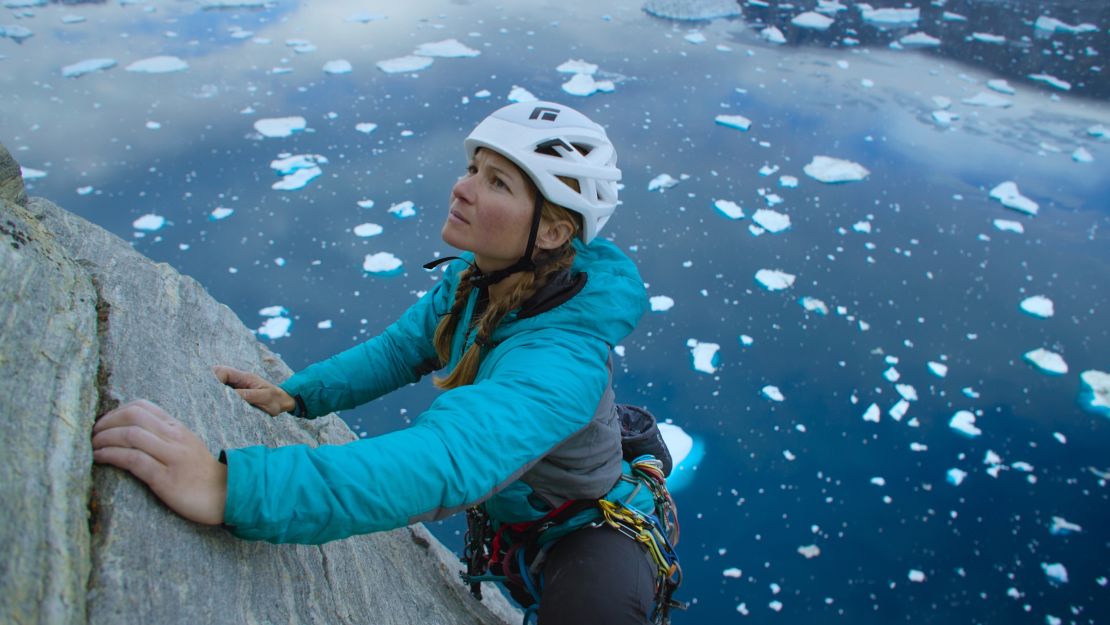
column 143, row 439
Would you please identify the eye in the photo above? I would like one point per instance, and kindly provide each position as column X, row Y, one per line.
column 499, row 183
column 471, row 170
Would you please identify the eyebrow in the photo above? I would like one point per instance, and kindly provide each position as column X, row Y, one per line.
column 497, row 168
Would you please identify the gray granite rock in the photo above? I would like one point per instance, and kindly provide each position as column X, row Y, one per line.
column 90, row 323
column 11, row 179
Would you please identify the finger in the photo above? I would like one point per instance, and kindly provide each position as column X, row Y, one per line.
column 141, row 413
column 134, row 437
column 224, row 373
column 133, row 461
column 238, row 379
column 254, row 396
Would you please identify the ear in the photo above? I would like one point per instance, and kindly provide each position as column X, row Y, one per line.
column 553, row 235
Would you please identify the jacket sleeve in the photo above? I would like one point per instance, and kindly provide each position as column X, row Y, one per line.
column 471, row 442
column 400, row 355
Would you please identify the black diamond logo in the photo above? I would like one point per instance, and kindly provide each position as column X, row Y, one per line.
column 544, row 113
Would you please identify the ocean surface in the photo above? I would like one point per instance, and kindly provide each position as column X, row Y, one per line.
column 875, row 237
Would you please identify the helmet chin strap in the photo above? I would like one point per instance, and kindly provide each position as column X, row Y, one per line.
column 481, row 279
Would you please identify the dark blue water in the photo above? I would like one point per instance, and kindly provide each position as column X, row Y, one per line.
column 934, row 280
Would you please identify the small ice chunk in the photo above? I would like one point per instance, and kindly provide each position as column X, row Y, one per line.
column 338, row 66
column 31, row 174
column 403, row 210
column 366, row 127
column 16, row 32
column 405, row 64
column 705, row 356
column 1061, row 527
column 273, row 311
column 964, row 423
column 729, row 209
column 1048, row 362
column 278, row 127
column 878, row 481
column 771, row 220
column 733, row 573
column 87, row 66
column 381, row 263
column 872, row 414
column 1051, row 81
column 1001, row 86
column 789, row 182
column 944, row 118
column 1038, row 306
column 956, row 476
column 1053, row 25
column 988, row 38
column 85, row 190
column 919, row 40
column 949, row 16
column 862, row 226
column 1095, row 395
column 520, row 94
column 734, row 121
column 746, row 340
column 812, row 304
column 678, row 442
column 1011, row 197
column 1100, row 131
column 695, row 37
column 775, row 605
column 774, row 280
column 772, row 392
column 365, row 203
column 576, row 66
column 889, row 16
column 298, row 179
column 833, row 170
column 1006, row 225
column 916, row 576
column 324, row 325
column 149, row 222
column 989, row 100
column 275, row 328
column 367, row 230
column 942, row 102
column 661, row 303
column 661, row 182
column 158, row 65
column 1081, row 155
column 448, row 48
column 892, row 375
column 1056, row 573
column 772, row 35
column 584, row 85
column 939, row 369
column 219, row 213
column 809, row 551
column 812, row 20
column 907, row 391
column 899, row 410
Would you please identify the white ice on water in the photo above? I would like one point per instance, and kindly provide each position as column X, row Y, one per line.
column 774, row 279
column 729, row 209
column 1051, row 81
column 219, row 213
column 988, row 38
column 577, row 66
column 812, row 304
column 1047, row 361
column 338, row 66
column 812, row 20
column 1038, row 306
column 296, row 170
column 695, row 37
column 919, row 40
column 583, row 85
column 772, row 35
column 15, row 32
column 1053, row 25
column 938, row 369
column 772, row 392
column 916, row 576
column 1081, row 155
column 704, row 355
column 889, row 16
column 661, row 182
column 405, row 64
column 1007, row 225
column 381, row 263
column 1056, row 572
column 956, row 476
column 366, row 127
column 692, row 10
column 733, row 573
column 29, row 173
column 679, row 443
column 149, row 222
column 989, row 100
column 1011, row 197
column 448, row 48
column 832, row 170
column 964, row 423
column 520, row 94
column 809, row 551
column 771, row 221
column 87, row 66
column 367, row 230
column 872, row 414
column 1096, row 391
column 661, row 303
column 734, row 121
column 1061, row 527
column 279, row 127
column 158, row 65
column 403, row 210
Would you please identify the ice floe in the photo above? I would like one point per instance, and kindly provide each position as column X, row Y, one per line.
column 704, row 355
column 1007, row 225
column 889, row 16
column 661, row 303
column 661, row 182
column 1000, row 85
column 809, row 551
column 219, row 213
column 448, row 48
column 367, row 230
column 686, row 453
column 1008, row 193
column 520, row 94
column 963, row 422
column 988, row 38
column 955, row 476
column 771, row 221
column 944, row 118
column 149, row 222
column 733, row 121
column 989, row 100
column 29, row 173
column 949, row 16
column 1047, row 361
column 772, row 35
column 405, row 64
column 1095, row 395
column 403, row 210
column 16, row 32
column 833, row 170
column 899, row 410
column 1100, row 131
column 692, row 10
column 733, row 573
column 772, row 392
column 296, row 170
column 338, row 66
column 1051, row 81
column 366, row 127
column 746, row 340
column 812, row 304
column 583, row 85
column 872, row 414
column 158, row 65
column 1061, row 527
column 938, row 369
column 279, row 127
column 729, row 209
column 812, row 20
column 695, row 37
column 1053, row 25
column 1081, row 155
column 1055, row 572
column 916, row 576
column 774, row 280
column 232, row 4
column 576, row 66
column 1038, row 306
column 381, row 263
column 87, row 66
column 919, row 40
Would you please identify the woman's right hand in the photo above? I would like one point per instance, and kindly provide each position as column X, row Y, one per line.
column 255, row 390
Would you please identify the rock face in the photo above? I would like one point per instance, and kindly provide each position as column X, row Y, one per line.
column 89, row 323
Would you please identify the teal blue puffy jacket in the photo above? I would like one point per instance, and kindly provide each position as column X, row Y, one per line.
column 536, row 427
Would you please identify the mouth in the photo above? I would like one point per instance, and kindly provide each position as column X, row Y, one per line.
column 454, row 214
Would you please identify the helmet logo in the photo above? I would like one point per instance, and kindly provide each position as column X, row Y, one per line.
column 544, row 113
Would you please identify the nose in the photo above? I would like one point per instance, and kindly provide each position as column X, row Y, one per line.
column 463, row 189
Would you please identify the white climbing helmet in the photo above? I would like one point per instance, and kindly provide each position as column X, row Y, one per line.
column 524, row 131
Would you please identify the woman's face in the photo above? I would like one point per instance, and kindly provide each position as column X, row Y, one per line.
column 491, row 211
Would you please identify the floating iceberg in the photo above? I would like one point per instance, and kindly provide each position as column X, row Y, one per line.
column 520, row 94
column 734, row 121
column 366, row 127
column 400, row 65
column 15, row 32
column 704, row 355
column 1095, row 395
column 31, row 174
column 661, row 303
column 1056, row 573
column 368, row 230
column 916, row 576
column 1001, row 86
column 771, row 220
column 149, row 223
column 403, row 210
column 278, row 127
column 1038, row 306
column 296, row 171
column 809, row 551
column 1053, row 25
column 919, row 40
column 774, row 280
column 661, row 182
column 729, row 209
column 989, row 100
column 734, row 573
column 220, row 213
column 988, row 38
column 1051, row 81
column 812, row 304
column 772, row 392
column 833, row 170
column 381, row 263
column 275, row 328
column 686, row 453
column 1081, row 155
column 964, row 423
column 956, row 476
column 889, row 17
column 945, row 118
column 338, row 66
column 584, row 85
column 231, row 4
column 1006, row 225
column 695, row 37
column 1061, row 527
column 577, row 66
column 772, row 35
column 812, row 20
column 1049, row 362
column 692, row 10
column 448, row 49
column 87, row 66
column 938, row 369
column 1011, row 197
column 158, row 65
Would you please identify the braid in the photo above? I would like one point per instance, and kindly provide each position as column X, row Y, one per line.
column 450, row 322
column 530, row 282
